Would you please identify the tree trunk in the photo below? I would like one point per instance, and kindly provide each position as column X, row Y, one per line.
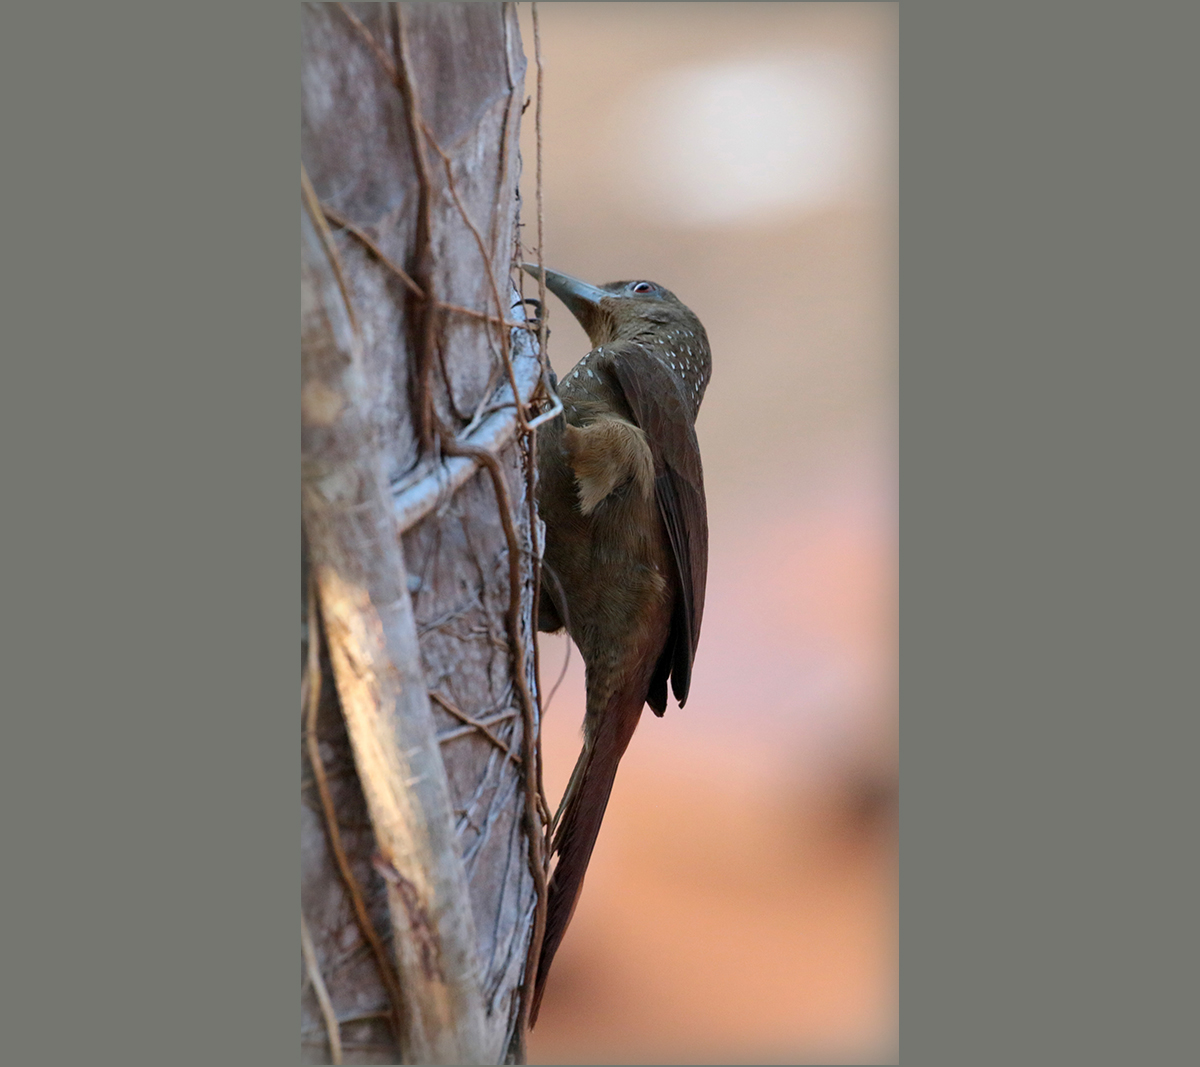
column 422, row 823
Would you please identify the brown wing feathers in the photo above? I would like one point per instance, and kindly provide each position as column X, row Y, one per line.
column 659, row 408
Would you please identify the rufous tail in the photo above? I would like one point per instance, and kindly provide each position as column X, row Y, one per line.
column 582, row 812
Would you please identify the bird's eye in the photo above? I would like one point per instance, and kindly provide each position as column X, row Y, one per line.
column 642, row 287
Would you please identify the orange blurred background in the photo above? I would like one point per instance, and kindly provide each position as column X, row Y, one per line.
column 741, row 902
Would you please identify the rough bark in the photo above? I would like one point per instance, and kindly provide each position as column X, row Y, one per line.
column 409, row 149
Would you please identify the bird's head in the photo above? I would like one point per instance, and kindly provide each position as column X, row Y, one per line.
column 624, row 311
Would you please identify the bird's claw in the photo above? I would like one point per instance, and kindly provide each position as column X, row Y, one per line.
column 536, row 322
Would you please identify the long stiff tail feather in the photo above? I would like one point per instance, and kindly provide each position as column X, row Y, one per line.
column 582, row 812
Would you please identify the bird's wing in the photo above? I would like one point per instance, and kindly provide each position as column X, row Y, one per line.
column 660, row 409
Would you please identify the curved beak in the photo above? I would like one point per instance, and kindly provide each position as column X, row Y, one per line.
column 582, row 298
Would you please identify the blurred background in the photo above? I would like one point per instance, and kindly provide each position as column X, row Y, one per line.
column 741, row 902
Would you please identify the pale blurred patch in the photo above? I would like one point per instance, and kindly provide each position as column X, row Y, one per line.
column 748, row 139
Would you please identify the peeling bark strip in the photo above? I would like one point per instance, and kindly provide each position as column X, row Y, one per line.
column 359, row 569
column 420, row 928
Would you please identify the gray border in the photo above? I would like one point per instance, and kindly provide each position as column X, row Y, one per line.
column 1048, row 215
column 1045, row 283
column 151, row 891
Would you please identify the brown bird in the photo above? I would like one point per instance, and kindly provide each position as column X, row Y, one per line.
column 621, row 491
